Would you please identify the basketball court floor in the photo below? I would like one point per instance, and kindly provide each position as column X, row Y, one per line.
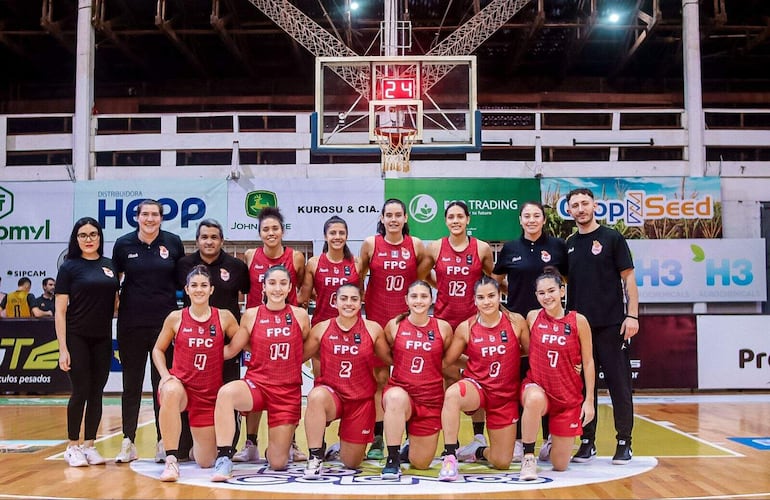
column 685, row 446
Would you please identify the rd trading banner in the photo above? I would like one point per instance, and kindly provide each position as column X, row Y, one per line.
column 493, row 204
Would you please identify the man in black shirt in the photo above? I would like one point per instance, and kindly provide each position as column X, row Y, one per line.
column 44, row 306
column 601, row 273
column 146, row 259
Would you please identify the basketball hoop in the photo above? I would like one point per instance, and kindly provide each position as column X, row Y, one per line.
column 396, row 145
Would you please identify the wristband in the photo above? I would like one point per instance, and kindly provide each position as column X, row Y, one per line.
column 632, row 317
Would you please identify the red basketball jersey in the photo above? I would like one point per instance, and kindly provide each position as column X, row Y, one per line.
column 328, row 277
column 554, row 351
column 392, row 268
column 199, row 353
column 260, row 263
column 494, row 358
column 456, row 273
column 276, row 348
column 417, row 355
column 347, row 361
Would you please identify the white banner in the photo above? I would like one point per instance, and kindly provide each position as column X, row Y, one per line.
column 35, row 212
column 700, row 270
column 305, row 204
column 733, row 352
column 185, row 203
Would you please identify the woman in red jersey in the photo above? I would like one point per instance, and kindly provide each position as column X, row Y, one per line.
column 415, row 393
column 560, row 349
column 259, row 260
column 275, row 332
column 493, row 340
column 198, row 333
column 458, row 262
column 392, row 259
column 325, row 273
column 345, row 387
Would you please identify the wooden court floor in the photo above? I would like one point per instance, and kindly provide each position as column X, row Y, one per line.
column 688, row 434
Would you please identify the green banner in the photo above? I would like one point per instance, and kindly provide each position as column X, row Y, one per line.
column 494, row 204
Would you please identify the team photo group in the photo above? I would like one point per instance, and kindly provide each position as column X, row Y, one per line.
column 403, row 338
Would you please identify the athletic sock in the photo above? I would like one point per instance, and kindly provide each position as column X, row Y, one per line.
column 478, row 427
column 529, row 448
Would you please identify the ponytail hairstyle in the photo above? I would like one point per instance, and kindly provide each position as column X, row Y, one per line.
column 550, row 272
column 334, row 219
column 268, row 273
column 199, row 270
column 415, row 283
column 381, row 226
column 269, row 213
column 488, row 280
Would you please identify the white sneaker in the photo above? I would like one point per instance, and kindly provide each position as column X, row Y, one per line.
column 518, row 451
column 313, row 468
column 468, row 453
column 171, row 473
column 127, row 452
column 332, row 453
column 528, row 468
column 93, row 456
column 545, row 450
column 75, row 457
column 295, row 454
column 249, row 453
column 160, row 453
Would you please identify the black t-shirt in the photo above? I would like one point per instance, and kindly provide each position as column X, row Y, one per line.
column 594, row 288
column 523, row 260
column 228, row 276
column 45, row 304
column 91, row 286
column 148, row 292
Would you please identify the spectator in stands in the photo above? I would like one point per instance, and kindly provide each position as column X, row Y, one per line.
column 44, row 306
column 18, row 304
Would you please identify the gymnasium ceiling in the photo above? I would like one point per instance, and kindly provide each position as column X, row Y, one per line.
column 230, row 48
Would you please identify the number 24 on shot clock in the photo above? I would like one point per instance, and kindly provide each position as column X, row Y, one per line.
column 399, row 88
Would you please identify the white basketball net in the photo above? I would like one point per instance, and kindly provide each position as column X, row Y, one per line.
column 396, row 145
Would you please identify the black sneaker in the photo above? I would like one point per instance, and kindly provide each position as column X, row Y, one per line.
column 403, row 454
column 623, row 453
column 586, row 452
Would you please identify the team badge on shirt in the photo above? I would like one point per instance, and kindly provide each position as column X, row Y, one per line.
column 108, row 272
column 545, row 256
column 224, row 274
column 405, row 254
column 163, row 252
column 596, row 249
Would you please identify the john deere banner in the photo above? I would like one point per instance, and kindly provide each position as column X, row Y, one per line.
column 494, row 204
column 642, row 207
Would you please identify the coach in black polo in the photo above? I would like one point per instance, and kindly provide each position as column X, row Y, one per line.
column 146, row 258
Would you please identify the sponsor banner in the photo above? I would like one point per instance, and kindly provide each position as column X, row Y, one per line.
column 185, row 203
column 663, row 354
column 29, row 357
column 493, row 204
column 642, row 207
column 716, row 270
column 733, row 352
column 35, row 212
column 305, row 204
column 32, row 260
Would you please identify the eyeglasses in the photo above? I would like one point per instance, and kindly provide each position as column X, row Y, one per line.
column 88, row 236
